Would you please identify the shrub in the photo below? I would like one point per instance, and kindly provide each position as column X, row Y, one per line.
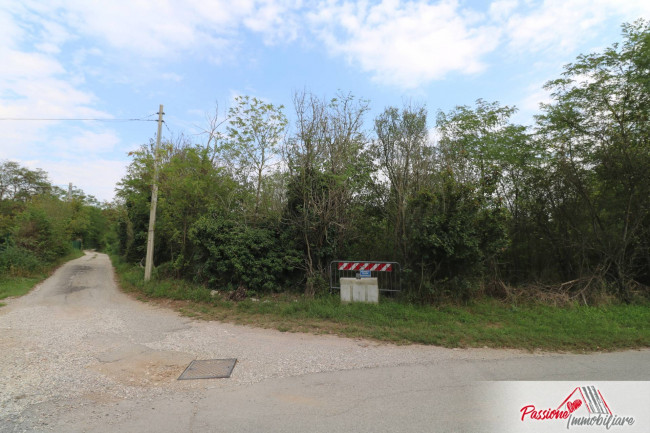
column 453, row 233
column 231, row 254
column 18, row 261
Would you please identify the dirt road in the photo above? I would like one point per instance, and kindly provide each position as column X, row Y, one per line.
column 78, row 355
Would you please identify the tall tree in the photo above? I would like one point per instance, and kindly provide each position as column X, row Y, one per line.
column 256, row 131
column 599, row 133
column 326, row 169
column 189, row 185
column 21, row 183
column 474, row 142
column 481, row 145
column 401, row 146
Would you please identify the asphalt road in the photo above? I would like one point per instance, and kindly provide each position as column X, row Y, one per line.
column 76, row 355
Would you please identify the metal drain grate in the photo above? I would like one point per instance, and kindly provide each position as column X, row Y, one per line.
column 209, row 369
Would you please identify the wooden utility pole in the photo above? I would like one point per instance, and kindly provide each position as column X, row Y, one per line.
column 154, row 201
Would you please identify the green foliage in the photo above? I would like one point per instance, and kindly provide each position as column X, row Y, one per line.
column 18, row 261
column 188, row 185
column 306, row 190
column 41, row 233
column 405, row 159
column 479, row 142
column 483, row 204
column 38, row 223
column 255, row 132
column 328, row 170
column 453, row 232
column 20, row 183
column 598, row 132
column 231, row 254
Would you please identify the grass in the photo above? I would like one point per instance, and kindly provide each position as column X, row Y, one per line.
column 19, row 285
column 484, row 323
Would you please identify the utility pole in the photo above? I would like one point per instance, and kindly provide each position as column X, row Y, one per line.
column 154, row 201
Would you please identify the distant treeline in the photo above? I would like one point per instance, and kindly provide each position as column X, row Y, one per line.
column 40, row 223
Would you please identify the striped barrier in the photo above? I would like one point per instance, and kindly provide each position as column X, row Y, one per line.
column 387, row 273
column 366, row 266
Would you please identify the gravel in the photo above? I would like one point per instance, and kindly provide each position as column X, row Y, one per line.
column 76, row 340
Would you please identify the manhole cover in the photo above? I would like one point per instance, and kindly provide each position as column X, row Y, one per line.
column 208, row 369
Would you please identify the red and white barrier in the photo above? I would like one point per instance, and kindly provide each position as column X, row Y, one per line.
column 364, row 266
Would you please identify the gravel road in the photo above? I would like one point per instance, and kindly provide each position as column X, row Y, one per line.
column 77, row 345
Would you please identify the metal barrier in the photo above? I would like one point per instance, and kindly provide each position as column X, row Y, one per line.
column 388, row 274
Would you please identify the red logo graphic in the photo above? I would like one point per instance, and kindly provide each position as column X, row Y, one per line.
column 584, row 406
column 573, row 405
column 592, row 399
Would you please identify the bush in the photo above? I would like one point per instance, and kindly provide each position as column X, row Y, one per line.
column 37, row 232
column 453, row 233
column 230, row 254
column 18, row 261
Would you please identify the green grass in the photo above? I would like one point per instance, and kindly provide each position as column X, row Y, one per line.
column 11, row 286
column 486, row 322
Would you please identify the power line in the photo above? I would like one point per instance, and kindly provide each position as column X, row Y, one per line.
column 144, row 119
column 165, row 123
column 78, row 119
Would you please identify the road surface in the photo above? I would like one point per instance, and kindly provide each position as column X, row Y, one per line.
column 77, row 355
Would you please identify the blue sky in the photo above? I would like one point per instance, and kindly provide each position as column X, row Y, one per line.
column 120, row 59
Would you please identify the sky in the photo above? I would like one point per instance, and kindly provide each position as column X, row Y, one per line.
column 121, row 59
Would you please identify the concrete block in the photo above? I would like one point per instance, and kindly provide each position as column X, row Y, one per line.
column 359, row 290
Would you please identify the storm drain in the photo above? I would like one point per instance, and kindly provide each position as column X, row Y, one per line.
column 208, row 369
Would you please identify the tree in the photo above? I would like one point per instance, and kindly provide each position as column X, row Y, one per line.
column 256, row 130
column 454, row 231
column 38, row 222
column 401, row 146
column 479, row 143
column 481, row 146
column 327, row 169
column 20, row 183
column 599, row 134
column 189, row 184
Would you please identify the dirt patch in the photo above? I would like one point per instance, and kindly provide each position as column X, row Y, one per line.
column 136, row 367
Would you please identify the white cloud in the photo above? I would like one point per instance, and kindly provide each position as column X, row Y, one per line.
column 406, row 44
column 74, row 154
column 170, row 76
column 411, row 43
column 39, row 84
column 535, row 95
column 19, row 65
column 149, row 29
column 49, row 47
column 96, row 177
column 78, row 141
column 35, row 85
column 560, row 26
column 275, row 20
column 501, row 9
column 166, row 27
column 553, row 25
column 552, row 30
